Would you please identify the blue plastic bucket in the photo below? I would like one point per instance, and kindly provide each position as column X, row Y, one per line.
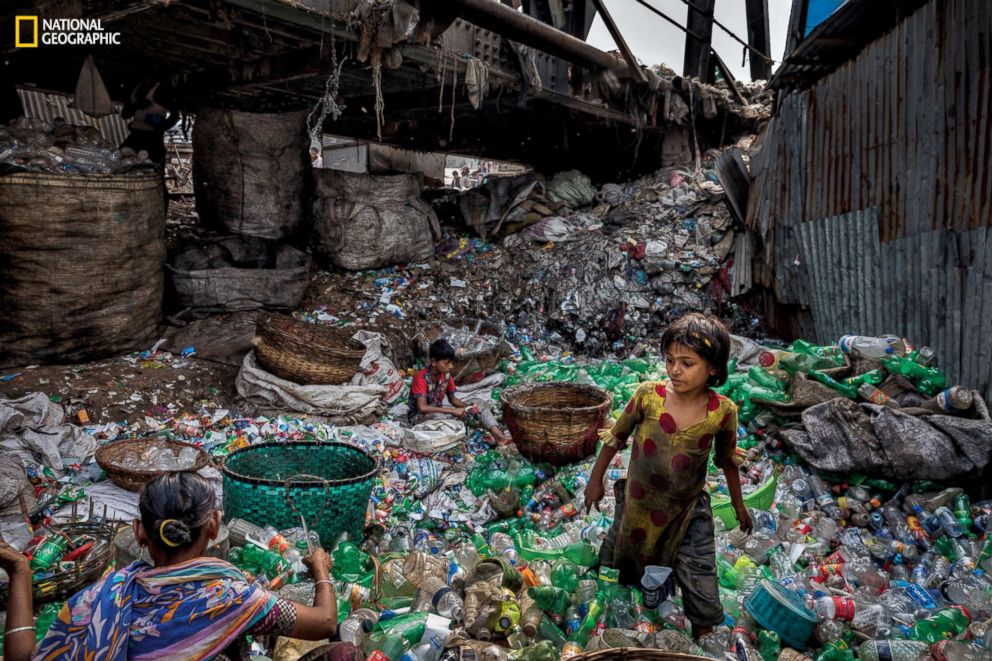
column 782, row 611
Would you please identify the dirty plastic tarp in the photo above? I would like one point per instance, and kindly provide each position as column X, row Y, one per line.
column 345, row 404
column 842, row 436
column 34, row 428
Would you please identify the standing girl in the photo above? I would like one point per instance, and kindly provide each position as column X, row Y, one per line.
column 663, row 514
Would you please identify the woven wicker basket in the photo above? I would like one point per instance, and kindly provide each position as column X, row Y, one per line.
column 636, row 654
column 61, row 586
column 304, row 353
column 329, row 484
column 111, row 459
column 555, row 422
column 470, row 367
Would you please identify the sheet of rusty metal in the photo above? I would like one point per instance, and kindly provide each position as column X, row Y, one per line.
column 872, row 191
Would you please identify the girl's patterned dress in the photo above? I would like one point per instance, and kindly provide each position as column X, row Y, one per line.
column 666, row 475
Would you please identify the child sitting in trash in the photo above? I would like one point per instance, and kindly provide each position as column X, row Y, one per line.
column 663, row 514
column 433, row 384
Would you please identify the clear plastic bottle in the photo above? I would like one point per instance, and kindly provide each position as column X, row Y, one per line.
column 355, row 628
column 435, row 594
column 948, row 522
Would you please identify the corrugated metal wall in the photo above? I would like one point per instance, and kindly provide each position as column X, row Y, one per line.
column 872, row 191
column 39, row 104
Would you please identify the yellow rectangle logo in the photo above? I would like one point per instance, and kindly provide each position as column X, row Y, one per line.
column 25, row 21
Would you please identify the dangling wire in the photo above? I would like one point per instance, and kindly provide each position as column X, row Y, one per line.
column 380, row 103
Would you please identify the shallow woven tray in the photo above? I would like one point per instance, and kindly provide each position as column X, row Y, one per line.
column 555, row 422
column 304, row 353
column 472, row 366
column 63, row 585
column 111, row 455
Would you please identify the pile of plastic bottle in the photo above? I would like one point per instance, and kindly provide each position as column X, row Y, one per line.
column 503, row 564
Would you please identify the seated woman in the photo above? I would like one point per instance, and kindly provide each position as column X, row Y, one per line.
column 187, row 606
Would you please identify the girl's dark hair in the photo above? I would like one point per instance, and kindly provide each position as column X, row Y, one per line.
column 441, row 350
column 174, row 508
column 707, row 336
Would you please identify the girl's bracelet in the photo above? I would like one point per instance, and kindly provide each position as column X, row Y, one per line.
column 18, row 629
column 324, row 580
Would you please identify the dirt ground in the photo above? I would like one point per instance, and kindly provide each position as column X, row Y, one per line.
column 120, row 389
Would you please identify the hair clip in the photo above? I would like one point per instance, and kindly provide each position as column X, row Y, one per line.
column 707, row 342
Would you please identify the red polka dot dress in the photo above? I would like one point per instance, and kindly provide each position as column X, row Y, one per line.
column 667, row 471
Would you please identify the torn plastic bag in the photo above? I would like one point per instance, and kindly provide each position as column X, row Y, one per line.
column 842, row 436
column 434, row 436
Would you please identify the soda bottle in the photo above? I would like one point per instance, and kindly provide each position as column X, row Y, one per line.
column 948, row 523
column 260, row 560
column 834, row 608
column 766, row 379
column 355, row 628
column 956, row 650
column 426, row 651
column 549, row 599
column 893, row 650
column 435, row 594
column 962, row 511
column 876, row 396
column 582, row 554
column 594, row 609
column 48, row 552
column 945, row 623
column 928, row 380
column 929, row 521
column 872, row 347
column 952, row 400
column 565, row 575
column 547, row 630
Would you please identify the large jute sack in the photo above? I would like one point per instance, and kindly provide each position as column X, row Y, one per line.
column 364, row 221
column 81, row 262
column 251, row 171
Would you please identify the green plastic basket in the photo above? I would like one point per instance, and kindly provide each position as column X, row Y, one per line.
column 760, row 499
column 274, row 483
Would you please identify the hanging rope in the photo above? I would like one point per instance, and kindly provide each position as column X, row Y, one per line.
column 327, row 104
column 380, row 103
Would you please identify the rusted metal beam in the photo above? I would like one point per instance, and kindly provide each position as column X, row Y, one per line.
column 697, row 53
column 528, row 31
column 635, row 68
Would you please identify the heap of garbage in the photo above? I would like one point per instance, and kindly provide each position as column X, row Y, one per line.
column 475, row 550
column 57, row 147
column 601, row 277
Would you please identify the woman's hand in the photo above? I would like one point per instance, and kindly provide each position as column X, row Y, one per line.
column 744, row 518
column 459, row 412
column 594, row 493
column 319, row 562
column 13, row 561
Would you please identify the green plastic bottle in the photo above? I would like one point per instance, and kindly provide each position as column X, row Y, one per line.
column 549, row 631
column 350, row 563
column 582, row 635
column 565, row 575
column 851, row 392
column 395, row 635
column 582, row 554
column 765, row 379
column 769, row 645
column 929, row 380
column 259, row 561
column 549, row 599
column 542, row 651
column 946, row 623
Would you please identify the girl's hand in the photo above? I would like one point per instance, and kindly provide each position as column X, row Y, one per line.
column 594, row 493
column 11, row 560
column 744, row 518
